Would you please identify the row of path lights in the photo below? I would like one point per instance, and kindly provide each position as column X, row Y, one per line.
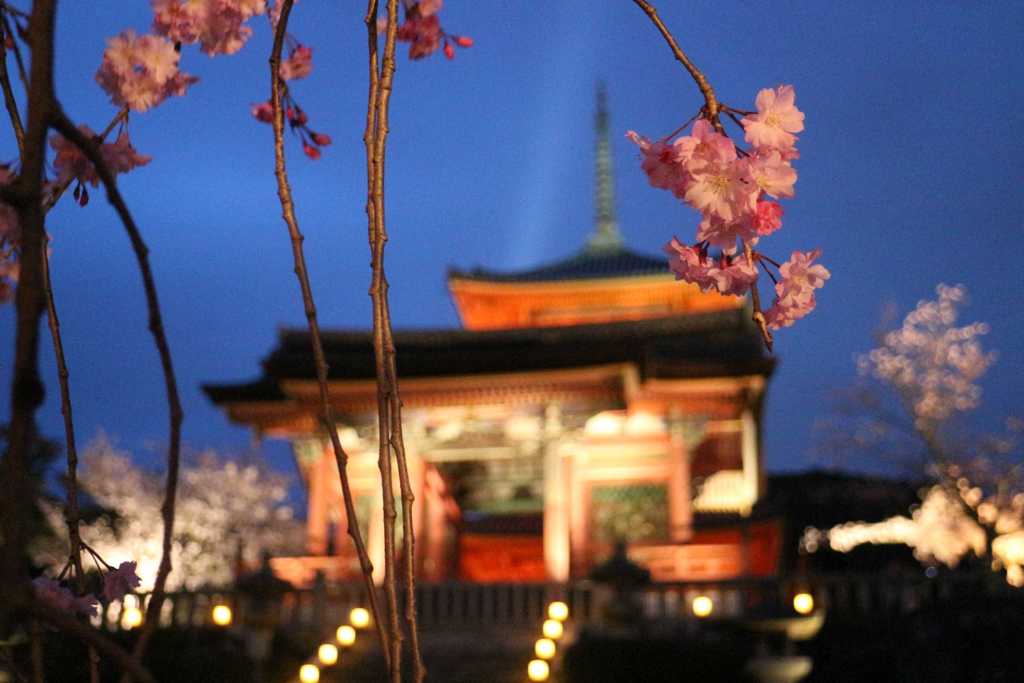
column 327, row 654
column 545, row 648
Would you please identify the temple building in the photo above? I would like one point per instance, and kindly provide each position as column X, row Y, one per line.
column 583, row 402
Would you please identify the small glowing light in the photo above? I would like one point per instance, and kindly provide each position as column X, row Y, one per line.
column 538, row 670
column 552, row 629
column 803, row 603
column 131, row 618
column 346, row 635
column 558, row 610
column 702, row 606
column 327, row 654
column 544, row 648
column 221, row 615
column 359, row 617
column 309, row 673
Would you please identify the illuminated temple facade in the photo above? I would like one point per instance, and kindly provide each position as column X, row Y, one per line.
column 583, row 402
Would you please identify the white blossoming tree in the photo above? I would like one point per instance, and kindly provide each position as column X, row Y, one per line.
column 227, row 512
column 920, row 383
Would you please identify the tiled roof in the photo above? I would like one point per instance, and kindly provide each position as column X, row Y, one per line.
column 586, row 265
column 717, row 344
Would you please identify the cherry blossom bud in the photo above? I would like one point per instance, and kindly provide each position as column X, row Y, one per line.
column 311, row 151
column 321, row 139
column 449, row 51
column 463, row 41
column 263, row 112
column 297, row 117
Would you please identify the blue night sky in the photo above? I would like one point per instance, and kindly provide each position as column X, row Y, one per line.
column 911, row 174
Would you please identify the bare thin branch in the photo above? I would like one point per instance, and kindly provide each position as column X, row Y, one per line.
column 301, row 273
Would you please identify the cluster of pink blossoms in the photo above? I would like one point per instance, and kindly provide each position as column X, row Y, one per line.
column 217, row 25
column 117, row 582
column 736, row 193
column 140, row 72
column 422, row 30
column 72, row 165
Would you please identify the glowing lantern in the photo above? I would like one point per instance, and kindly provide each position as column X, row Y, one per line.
column 221, row 615
column 552, row 629
column 558, row 610
column 359, row 617
column 803, row 603
column 327, row 654
column 538, row 670
column 544, row 648
column 346, row 635
column 702, row 606
column 309, row 673
column 131, row 618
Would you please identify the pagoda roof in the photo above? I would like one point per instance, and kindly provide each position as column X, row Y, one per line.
column 699, row 345
column 589, row 264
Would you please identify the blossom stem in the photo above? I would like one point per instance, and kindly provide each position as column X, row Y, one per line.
column 710, row 100
column 755, row 295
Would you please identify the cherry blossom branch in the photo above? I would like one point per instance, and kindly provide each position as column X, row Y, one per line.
column 89, row 148
column 711, row 104
column 9, row 100
column 380, row 80
column 327, row 418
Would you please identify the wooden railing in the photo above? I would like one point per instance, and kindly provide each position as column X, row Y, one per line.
column 508, row 605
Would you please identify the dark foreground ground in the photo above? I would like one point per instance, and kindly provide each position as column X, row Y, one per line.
column 967, row 641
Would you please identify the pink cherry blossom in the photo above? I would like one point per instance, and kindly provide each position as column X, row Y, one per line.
column 773, row 175
column 118, row 582
column 217, row 25
column 767, row 218
column 429, row 7
column 71, row 163
column 141, row 72
column 723, row 189
column 422, row 33
column 795, row 292
column 723, row 234
column 299, row 63
column 776, row 120
column 705, row 148
column 59, row 597
column 662, row 162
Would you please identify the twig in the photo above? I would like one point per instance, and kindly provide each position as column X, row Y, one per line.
column 9, row 101
column 89, row 148
column 710, row 101
column 327, row 418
